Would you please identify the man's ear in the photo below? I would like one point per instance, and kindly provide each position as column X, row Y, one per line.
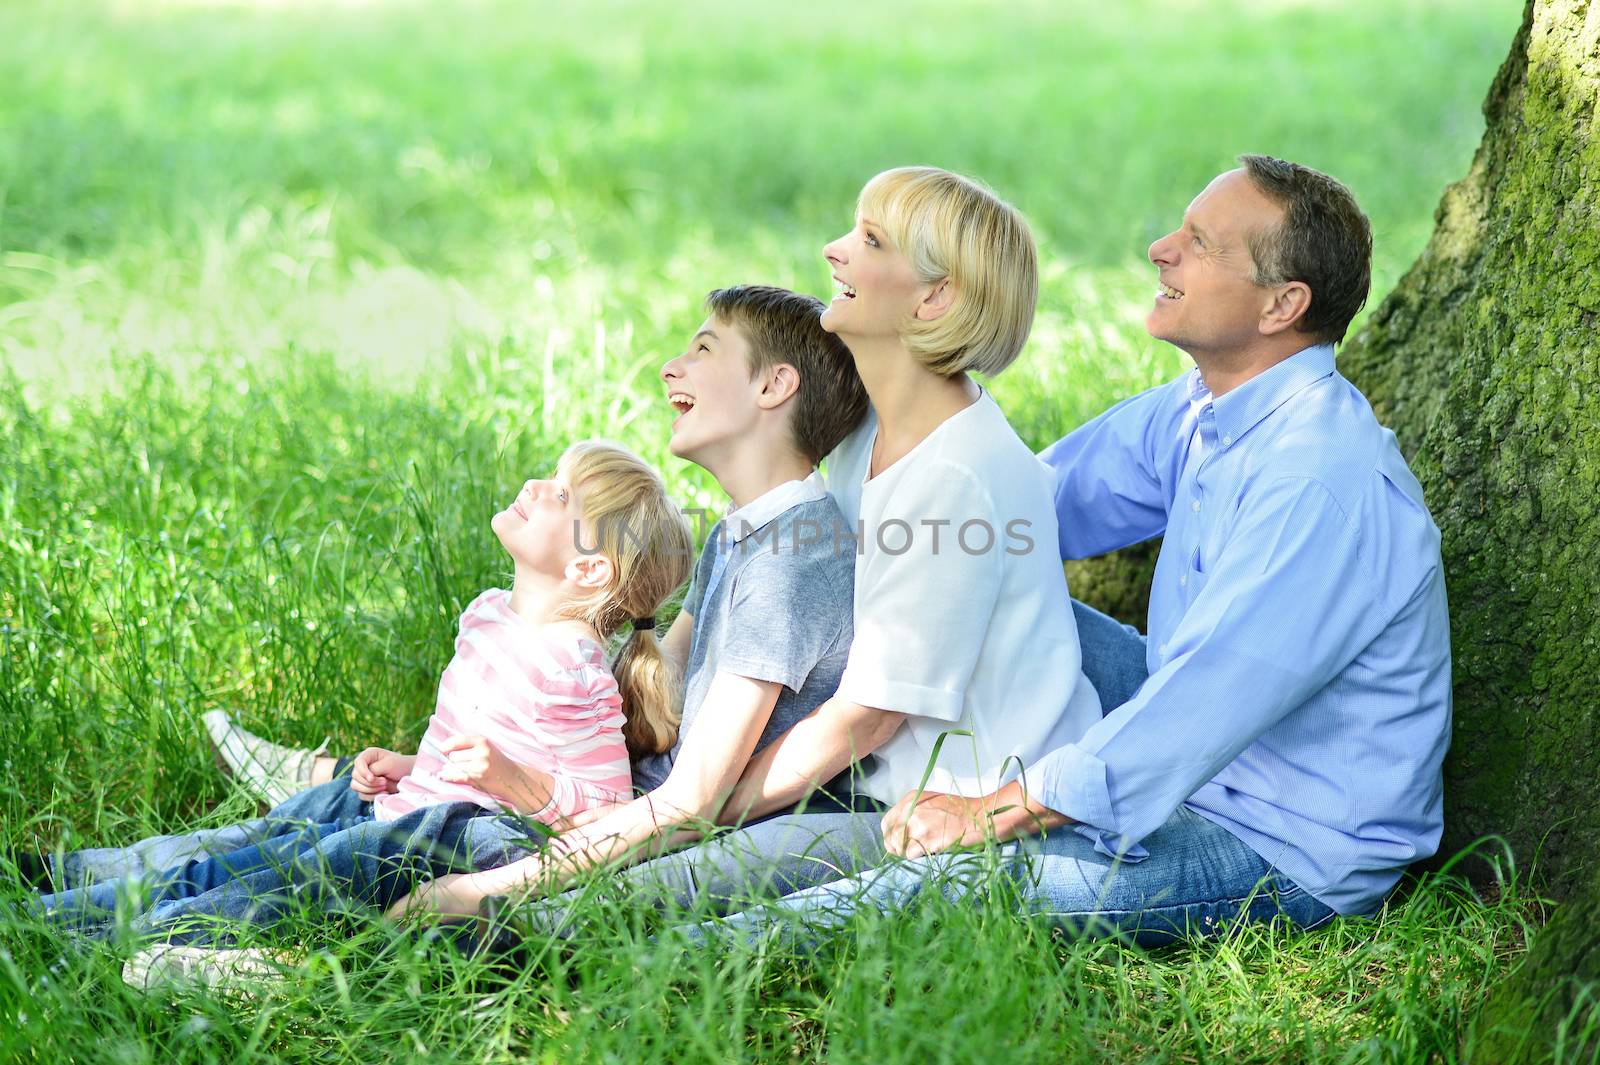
column 1290, row 302
column 782, row 381
column 938, row 301
column 590, row 571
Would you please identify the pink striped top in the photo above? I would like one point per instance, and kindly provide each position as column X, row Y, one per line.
column 542, row 696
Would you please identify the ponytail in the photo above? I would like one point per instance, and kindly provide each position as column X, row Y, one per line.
column 647, row 538
column 649, row 686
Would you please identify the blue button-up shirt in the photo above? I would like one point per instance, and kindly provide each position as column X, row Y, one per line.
column 1299, row 654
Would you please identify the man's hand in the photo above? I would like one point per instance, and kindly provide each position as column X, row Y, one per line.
column 455, row 895
column 938, row 822
column 378, row 772
column 934, row 822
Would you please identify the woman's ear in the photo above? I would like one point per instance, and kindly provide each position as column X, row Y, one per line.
column 939, row 300
column 782, row 382
column 590, row 571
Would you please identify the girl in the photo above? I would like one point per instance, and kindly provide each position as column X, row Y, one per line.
column 529, row 720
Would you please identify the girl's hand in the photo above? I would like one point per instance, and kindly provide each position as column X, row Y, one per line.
column 455, row 895
column 378, row 772
column 474, row 760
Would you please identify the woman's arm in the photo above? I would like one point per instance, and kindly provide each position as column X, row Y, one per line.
column 809, row 755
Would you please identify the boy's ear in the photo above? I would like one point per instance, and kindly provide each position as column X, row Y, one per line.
column 590, row 571
column 938, row 301
column 782, row 381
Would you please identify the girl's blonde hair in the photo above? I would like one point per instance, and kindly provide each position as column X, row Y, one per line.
column 949, row 226
column 629, row 519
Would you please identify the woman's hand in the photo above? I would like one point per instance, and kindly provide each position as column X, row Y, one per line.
column 455, row 895
column 378, row 771
column 932, row 822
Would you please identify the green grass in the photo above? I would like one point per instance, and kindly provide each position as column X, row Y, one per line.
column 289, row 295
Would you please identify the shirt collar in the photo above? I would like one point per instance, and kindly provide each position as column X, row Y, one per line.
column 740, row 523
column 1243, row 408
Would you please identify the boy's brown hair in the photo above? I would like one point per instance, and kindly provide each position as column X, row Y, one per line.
column 786, row 327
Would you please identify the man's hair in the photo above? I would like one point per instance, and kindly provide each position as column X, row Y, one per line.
column 786, row 327
column 1324, row 241
column 949, row 226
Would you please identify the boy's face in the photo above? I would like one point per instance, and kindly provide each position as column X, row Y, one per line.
column 537, row 527
column 714, row 392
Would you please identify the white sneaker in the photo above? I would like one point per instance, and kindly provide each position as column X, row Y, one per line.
column 269, row 772
column 251, row 969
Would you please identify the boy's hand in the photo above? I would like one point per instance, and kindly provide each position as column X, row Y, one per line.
column 454, row 895
column 378, row 772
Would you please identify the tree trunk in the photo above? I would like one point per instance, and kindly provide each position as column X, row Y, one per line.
column 1484, row 362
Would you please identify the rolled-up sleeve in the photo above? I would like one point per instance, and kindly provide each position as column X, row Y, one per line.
column 1283, row 610
column 921, row 613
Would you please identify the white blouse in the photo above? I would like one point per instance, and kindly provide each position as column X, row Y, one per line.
column 962, row 618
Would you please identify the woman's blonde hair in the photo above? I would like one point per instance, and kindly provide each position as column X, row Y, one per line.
column 949, row 226
column 629, row 519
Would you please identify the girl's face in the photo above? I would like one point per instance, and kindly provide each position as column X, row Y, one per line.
column 540, row 528
column 878, row 293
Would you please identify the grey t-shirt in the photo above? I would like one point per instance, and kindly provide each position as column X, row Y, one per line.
column 781, row 611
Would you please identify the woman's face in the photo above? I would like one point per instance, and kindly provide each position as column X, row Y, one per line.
column 878, row 292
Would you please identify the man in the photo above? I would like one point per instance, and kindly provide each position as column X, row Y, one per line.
column 1278, row 743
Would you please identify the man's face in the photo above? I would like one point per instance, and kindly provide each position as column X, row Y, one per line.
column 1205, row 301
column 714, row 392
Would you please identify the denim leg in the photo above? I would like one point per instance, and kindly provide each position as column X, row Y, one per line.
column 764, row 860
column 95, row 905
column 1198, row 878
column 357, row 870
column 1113, row 655
column 333, row 801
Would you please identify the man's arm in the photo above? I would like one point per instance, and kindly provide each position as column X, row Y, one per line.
column 1111, row 473
column 810, row 754
column 1287, row 605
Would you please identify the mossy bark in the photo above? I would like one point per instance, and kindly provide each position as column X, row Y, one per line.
column 1118, row 583
column 1484, row 361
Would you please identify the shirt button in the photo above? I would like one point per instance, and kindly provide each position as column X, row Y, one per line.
column 1183, row 581
column 1227, row 440
column 1161, row 650
column 1195, row 505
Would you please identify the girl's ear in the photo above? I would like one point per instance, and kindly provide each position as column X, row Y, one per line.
column 590, row 571
column 939, row 300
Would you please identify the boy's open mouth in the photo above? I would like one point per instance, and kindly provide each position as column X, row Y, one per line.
column 681, row 401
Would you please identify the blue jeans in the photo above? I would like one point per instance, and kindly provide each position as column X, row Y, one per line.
column 325, row 803
column 1198, row 877
column 358, row 869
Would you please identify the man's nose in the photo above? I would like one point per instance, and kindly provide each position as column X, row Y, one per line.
column 1162, row 251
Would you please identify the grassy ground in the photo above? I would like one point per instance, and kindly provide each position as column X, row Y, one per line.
column 290, row 294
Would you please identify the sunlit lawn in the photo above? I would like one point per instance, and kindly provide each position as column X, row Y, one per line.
column 290, row 293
